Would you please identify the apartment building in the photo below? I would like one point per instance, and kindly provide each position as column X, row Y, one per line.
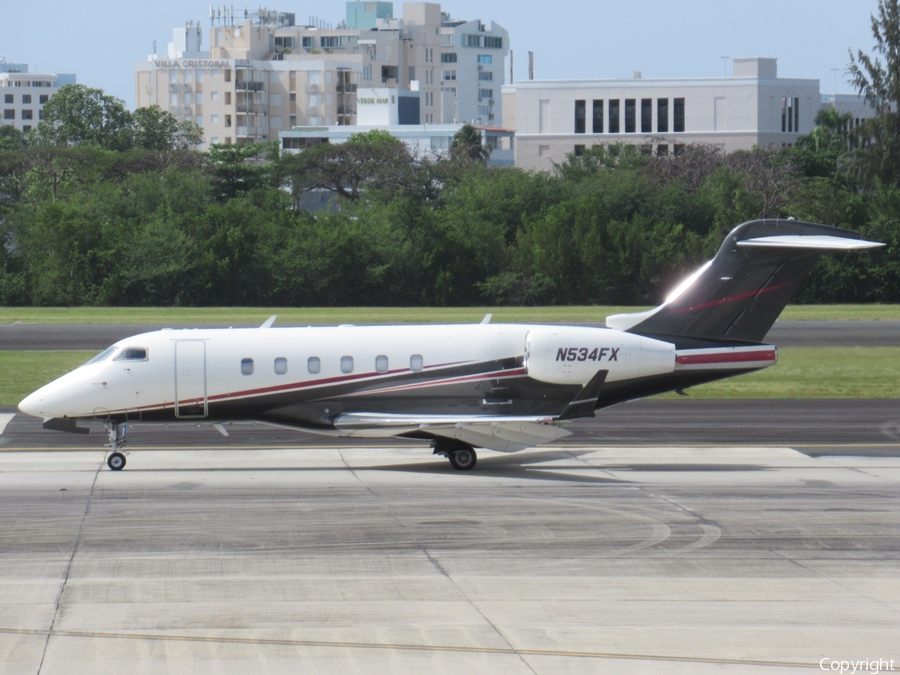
column 754, row 106
column 263, row 72
column 24, row 94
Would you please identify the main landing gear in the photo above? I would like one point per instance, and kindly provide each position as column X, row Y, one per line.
column 461, row 455
column 116, row 432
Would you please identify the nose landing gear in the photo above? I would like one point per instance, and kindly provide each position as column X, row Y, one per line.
column 116, row 433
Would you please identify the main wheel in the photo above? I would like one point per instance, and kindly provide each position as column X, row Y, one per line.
column 462, row 459
column 116, row 461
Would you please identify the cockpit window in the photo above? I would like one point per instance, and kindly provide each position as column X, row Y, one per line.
column 132, row 354
column 102, row 356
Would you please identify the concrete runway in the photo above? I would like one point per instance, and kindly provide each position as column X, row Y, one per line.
column 783, row 333
column 647, row 549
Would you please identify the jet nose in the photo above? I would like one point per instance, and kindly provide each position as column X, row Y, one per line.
column 32, row 404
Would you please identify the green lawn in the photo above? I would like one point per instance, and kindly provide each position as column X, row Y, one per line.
column 367, row 315
column 801, row 372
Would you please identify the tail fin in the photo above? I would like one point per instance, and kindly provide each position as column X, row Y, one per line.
column 738, row 294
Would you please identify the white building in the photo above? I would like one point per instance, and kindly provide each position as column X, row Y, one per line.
column 24, row 94
column 423, row 140
column 552, row 118
column 263, row 73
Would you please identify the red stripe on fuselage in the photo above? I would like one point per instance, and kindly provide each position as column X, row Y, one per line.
column 726, row 357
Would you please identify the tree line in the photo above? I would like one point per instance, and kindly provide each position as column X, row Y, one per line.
column 102, row 208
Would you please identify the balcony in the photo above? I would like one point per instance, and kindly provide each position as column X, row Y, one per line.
column 250, row 86
column 346, row 88
column 250, row 132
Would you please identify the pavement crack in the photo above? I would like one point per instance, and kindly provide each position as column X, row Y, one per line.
column 437, row 565
column 62, row 588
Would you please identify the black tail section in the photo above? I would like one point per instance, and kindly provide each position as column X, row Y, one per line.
column 739, row 293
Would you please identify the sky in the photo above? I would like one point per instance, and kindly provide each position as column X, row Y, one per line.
column 101, row 40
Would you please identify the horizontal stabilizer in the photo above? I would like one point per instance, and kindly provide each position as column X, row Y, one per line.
column 739, row 294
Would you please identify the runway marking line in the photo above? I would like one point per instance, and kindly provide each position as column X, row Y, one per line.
column 408, row 647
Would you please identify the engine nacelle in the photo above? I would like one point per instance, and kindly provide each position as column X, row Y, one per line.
column 573, row 355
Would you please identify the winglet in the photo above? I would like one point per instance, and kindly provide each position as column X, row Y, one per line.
column 487, row 318
column 268, row 323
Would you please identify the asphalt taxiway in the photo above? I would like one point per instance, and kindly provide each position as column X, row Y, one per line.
column 783, row 333
column 663, row 537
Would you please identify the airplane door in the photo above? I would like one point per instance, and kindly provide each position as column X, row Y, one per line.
column 190, row 379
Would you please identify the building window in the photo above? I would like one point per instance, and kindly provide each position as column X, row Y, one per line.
column 614, row 116
column 597, row 121
column 213, row 119
column 27, row 115
column 26, row 128
column 26, row 99
column 646, row 115
column 579, row 150
column 678, row 122
column 485, row 59
column 329, row 41
column 580, row 112
column 485, row 93
column 313, row 365
column 9, row 114
column 630, row 114
column 662, row 115
column 346, row 364
column 790, row 114
column 280, row 365
column 381, row 363
column 246, row 366
column 227, row 120
column 486, row 75
column 43, row 98
column 367, row 72
column 493, row 42
column 306, row 42
column 448, row 58
column 9, row 98
column 471, row 40
column 448, row 75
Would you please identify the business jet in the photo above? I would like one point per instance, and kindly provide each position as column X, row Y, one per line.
column 505, row 387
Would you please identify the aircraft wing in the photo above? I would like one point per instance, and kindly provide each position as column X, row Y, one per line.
column 504, row 434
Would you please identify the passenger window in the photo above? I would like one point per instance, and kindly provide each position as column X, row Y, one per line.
column 416, row 362
column 247, row 366
column 280, row 365
column 313, row 365
column 381, row 363
column 132, row 354
column 346, row 364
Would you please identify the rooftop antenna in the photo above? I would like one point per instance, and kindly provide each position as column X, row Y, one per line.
column 725, row 60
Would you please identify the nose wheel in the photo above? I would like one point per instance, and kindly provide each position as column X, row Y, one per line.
column 116, row 433
column 116, row 461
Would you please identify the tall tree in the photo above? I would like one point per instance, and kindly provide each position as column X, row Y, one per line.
column 466, row 145
column 154, row 128
column 878, row 156
column 79, row 115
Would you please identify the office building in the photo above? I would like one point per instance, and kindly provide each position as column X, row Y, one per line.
column 264, row 73
column 24, row 94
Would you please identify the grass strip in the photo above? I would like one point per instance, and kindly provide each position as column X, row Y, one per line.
column 801, row 372
column 293, row 316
